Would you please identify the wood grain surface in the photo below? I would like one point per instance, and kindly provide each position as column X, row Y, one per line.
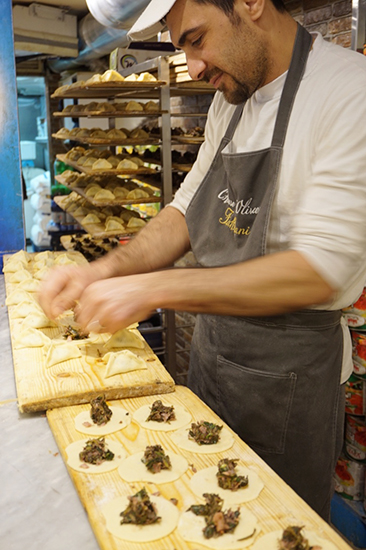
column 78, row 380
column 276, row 507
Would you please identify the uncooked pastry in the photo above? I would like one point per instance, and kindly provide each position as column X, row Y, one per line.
column 190, row 527
column 269, row 541
column 132, row 469
column 122, row 362
column 75, row 463
column 120, row 419
column 141, row 533
column 59, row 353
column 225, row 442
column 31, row 338
column 125, row 338
column 205, row 481
column 182, row 416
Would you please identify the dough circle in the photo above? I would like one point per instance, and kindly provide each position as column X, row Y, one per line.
column 132, row 469
column 75, row 463
column 141, row 533
column 269, row 541
column 190, row 527
column 205, row 481
column 183, row 418
column 226, row 441
column 120, row 419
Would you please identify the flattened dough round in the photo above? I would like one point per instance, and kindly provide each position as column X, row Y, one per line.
column 133, row 469
column 205, row 481
column 120, row 419
column 190, row 528
column 141, row 533
column 75, row 463
column 225, row 442
column 183, row 418
column 269, row 541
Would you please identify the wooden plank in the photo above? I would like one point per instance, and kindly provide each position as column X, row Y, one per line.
column 78, row 380
column 276, row 507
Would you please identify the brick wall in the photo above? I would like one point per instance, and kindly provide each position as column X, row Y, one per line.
column 334, row 22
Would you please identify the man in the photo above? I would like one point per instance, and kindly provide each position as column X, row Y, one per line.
column 274, row 212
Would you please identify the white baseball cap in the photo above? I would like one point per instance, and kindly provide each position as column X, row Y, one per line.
column 150, row 21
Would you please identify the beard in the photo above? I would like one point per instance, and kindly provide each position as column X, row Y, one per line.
column 237, row 91
column 244, row 75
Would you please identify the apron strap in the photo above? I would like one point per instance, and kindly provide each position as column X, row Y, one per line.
column 233, row 123
column 296, row 70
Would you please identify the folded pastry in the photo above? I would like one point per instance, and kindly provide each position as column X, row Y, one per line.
column 67, row 109
column 18, row 296
column 112, row 76
column 106, row 107
column 31, row 338
column 115, row 133
column 122, row 362
column 89, row 162
column 91, row 106
column 30, row 285
column 37, row 319
column 139, row 133
column 134, row 106
column 146, row 77
column 102, row 164
column 92, row 187
column 151, row 106
column 120, row 192
column 137, row 194
column 127, row 165
column 104, row 194
column 20, row 276
column 95, row 79
column 63, row 132
column 113, row 160
column 13, row 266
column 125, row 338
column 113, row 225
column 134, row 223
column 59, row 353
column 101, row 134
column 131, row 78
column 90, row 219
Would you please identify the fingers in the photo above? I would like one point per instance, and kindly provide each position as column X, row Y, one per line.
column 110, row 305
column 61, row 289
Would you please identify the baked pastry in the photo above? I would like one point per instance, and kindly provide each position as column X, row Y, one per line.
column 95, row 79
column 102, row 164
column 151, row 106
column 112, row 76
column 146, row 77
column 104, row 195
column 134, row 106
column 127, row 165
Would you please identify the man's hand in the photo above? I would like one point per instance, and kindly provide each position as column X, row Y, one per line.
column 63, row 286
column 113, row 304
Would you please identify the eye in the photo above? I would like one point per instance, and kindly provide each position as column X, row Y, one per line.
column 197, row 42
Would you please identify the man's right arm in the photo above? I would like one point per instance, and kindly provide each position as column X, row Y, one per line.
column 158, row 245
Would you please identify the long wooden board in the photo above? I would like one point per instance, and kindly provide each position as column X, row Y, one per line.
column 276, row 507
column 76, row 381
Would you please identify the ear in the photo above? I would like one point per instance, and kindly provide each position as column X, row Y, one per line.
column 254, row 8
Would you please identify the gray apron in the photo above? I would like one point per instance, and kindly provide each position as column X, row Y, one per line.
column 274, row 380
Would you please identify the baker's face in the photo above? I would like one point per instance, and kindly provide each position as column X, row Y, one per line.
column 228, row 52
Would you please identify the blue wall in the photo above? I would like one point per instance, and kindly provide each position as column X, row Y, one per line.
column 11, row 200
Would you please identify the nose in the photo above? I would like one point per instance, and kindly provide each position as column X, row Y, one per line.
column 196, row 68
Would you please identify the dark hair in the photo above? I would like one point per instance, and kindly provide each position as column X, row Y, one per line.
column 227, row 6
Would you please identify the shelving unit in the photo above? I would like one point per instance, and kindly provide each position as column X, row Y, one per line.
column 163, row 91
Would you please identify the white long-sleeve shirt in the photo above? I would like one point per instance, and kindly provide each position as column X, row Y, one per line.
column 320, row 203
